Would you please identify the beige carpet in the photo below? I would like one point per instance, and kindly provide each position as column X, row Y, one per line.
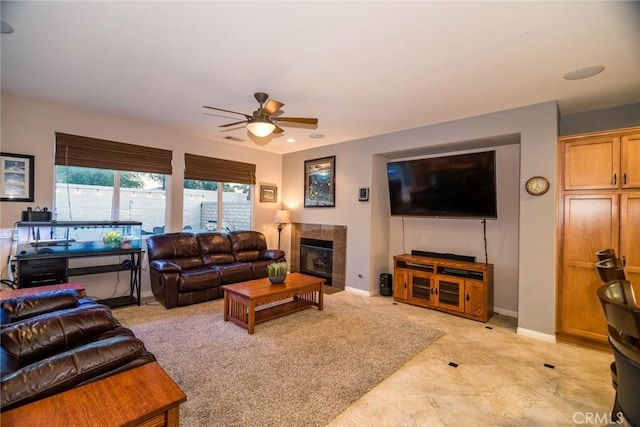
column 302, row 369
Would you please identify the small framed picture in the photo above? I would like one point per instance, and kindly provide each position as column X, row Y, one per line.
column 16, row 177
column 268, row 193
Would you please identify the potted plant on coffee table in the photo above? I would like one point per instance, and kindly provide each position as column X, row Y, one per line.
column 277, row 272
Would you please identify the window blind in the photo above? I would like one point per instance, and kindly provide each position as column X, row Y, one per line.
column 74, row 150
column 211, row 169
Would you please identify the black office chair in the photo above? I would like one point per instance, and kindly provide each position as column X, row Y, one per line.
column 610, row 269
column 605, row 254
column 624, row 337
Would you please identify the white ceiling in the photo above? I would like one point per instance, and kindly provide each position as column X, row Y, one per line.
column 362, row 68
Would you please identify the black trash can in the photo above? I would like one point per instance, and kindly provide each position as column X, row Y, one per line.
column 386, row 284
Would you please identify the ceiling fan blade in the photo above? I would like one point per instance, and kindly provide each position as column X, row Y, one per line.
column 305, row 120
column 271, row 107
column 277, row 130
column 232, row 124
column 226, row 111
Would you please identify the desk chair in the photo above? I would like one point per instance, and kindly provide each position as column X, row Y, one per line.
column 624, row 337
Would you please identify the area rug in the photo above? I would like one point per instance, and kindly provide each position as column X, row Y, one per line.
column 301, row 369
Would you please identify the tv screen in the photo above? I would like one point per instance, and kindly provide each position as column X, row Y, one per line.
column 457, row 186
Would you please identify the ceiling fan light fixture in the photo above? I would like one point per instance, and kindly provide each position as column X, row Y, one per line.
column 261, row 127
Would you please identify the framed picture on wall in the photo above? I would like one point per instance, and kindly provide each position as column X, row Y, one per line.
column 16, row 177
column 319, row 183
column 268, row 193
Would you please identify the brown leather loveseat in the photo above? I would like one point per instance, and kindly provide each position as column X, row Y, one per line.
column 54, row 341
column 188, row 268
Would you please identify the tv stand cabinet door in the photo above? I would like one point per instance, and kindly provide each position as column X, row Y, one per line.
column 401, row 284
column 475, row 300
column 450, row 293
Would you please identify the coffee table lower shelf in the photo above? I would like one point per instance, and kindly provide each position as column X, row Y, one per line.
column 268, row 313
column 241, row 299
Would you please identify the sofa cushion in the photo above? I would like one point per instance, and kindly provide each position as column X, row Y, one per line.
column 198, row 279
column 234, row 273
column 67, row 369
column 260, row 269
column 216, row 248
column 247, row 245
column 181, row 249
column 39, row 336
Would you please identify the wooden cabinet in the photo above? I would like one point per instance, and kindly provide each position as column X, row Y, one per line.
column 602, row 161
column 462, row 288
column 599, row 208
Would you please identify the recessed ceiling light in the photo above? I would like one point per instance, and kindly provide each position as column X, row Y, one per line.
column 316, row 135
column 291, row 140
column 584, row 73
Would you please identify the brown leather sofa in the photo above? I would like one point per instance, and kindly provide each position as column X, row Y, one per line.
column 54, row 341
column 188, row 268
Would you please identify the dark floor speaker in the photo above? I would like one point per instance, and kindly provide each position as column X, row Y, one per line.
column 386, row 284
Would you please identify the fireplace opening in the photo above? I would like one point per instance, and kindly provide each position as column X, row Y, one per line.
column 316, row 258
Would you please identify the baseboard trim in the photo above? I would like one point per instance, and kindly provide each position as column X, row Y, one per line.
column 357, row 291
column 505, row 312
column 537, row 335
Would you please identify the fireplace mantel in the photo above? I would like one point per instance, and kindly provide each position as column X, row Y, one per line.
column 335, row 233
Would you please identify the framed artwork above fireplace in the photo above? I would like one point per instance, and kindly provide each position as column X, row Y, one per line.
column 319, row 183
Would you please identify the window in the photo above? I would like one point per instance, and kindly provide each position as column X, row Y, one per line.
column 100, row 180
column 206, row 208
column 92, row 194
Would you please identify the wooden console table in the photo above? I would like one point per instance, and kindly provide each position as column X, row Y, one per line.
column 142, row 396
column 241, row 299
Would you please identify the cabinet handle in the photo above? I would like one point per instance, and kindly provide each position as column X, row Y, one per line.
column 624, row 261
column 615, row 179
column 624, row 178
column 436, row 291
column 405, row 285
column 468, row 298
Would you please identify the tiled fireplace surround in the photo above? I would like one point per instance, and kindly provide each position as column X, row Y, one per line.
column 335, row 233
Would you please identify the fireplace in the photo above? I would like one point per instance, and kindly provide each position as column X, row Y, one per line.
column 325, row 239
column 316, row 258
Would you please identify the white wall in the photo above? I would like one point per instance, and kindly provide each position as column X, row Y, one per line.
column 528, row 257
column 29, row 127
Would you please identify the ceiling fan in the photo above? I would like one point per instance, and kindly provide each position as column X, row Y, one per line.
column 262, row 122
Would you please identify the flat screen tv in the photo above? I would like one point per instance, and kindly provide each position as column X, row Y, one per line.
column 456, row 186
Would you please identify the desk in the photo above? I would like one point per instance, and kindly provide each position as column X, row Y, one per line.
column 37, row 269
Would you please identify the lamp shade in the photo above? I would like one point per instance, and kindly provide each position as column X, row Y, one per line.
column 260, row 127
column 282, row 217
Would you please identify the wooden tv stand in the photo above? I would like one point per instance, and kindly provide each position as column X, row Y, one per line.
column 457, row 287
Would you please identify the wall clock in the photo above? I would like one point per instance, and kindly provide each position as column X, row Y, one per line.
column 537, row 185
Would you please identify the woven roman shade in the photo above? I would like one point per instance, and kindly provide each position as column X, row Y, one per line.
column 211, row 169
column 74, row 150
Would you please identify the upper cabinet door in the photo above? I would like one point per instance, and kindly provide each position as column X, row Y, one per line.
column 592, row 163
column 630, row 161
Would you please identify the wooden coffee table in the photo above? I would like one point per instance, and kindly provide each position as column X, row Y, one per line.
column 241, row 299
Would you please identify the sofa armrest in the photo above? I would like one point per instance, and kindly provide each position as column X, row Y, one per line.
column 164, row 265
column 271, row 254
column 20, row 308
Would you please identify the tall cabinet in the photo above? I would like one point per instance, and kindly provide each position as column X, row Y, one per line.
column 598, row 208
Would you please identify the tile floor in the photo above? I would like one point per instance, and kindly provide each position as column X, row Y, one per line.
column 500, row 380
